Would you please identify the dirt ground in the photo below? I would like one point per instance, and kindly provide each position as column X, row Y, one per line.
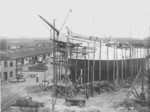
column 103, row 103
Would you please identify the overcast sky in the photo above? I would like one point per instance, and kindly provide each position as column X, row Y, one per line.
column 89, row 17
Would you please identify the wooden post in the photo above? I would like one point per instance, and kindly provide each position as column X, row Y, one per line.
column 140, row 57
column 132, row 64
column 117, row 69
column 92, row 89
column 66, row 69
column 114, row 71
column 125, row 65
column 143, row 74
column 62, row 61
column 99, row 66
column 76, row 66
column 93, row 68
column 87, row 86
column 137, row 61
column 84, row 65
column 148, row 60
column 54, row 73
column 85, row 81
column 56, row 65
column 108, row 66
column 88, row 64
column 122, row 67
column 76, row 71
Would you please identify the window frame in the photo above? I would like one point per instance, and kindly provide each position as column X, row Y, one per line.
column 11, row 63
column 5, row 64
column 11, row 74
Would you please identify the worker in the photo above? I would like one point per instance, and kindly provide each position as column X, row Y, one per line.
column 37, row 79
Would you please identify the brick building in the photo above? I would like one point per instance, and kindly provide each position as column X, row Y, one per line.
column 11, row 60
column 8, row 70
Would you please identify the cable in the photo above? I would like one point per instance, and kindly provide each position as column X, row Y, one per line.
column 65, row 19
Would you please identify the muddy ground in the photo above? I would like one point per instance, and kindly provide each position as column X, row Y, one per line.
column 106, row 102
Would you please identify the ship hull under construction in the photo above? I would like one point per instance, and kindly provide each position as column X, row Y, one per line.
column 104, row 70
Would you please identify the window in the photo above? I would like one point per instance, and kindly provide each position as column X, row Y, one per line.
column 5, row 64
column 11, row 74
column 5, row 76
column 11, row 63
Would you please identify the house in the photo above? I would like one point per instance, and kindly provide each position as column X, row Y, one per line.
column 11, row 61
column 7, row 70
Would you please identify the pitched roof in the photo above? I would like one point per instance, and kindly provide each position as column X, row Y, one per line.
column 22, row 53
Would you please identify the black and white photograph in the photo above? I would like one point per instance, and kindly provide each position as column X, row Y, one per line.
column 74, row 55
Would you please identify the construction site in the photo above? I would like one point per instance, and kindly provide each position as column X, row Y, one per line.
column 84, row 74
column 75, row 73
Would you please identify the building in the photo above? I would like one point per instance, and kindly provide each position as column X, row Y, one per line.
column 12, row 60
column 8, row 70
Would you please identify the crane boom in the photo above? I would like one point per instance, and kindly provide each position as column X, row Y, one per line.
column 55, row 29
